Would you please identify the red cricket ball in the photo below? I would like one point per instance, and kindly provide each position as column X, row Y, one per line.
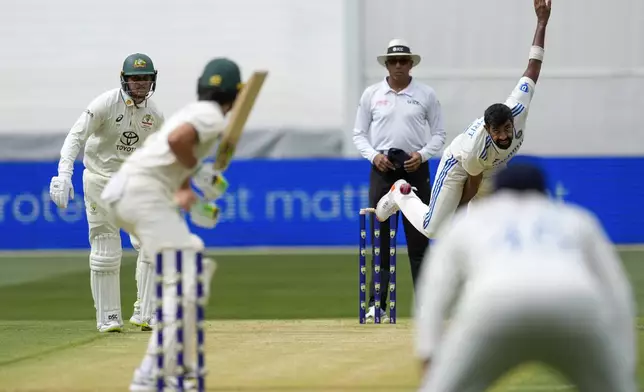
column 405, row 189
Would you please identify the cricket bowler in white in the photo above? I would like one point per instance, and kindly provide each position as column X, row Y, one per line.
column 470, row 160
column 532, row 280
column 114, row 125
column 149, row 193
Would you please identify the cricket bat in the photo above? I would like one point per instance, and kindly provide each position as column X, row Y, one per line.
column 238, row 116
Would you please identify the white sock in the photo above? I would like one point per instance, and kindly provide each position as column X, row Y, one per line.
column 413, row 208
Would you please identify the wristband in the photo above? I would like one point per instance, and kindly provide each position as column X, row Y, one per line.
column 536, row 53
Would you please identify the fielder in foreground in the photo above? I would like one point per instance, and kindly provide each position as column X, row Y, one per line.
column 112, row 127
column 534, row 280
column 147, row 195
column 469, row 162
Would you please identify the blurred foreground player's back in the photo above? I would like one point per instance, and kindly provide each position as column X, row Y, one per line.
column 535, row 280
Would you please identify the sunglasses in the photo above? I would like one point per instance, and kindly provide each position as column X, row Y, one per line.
column 398, row 60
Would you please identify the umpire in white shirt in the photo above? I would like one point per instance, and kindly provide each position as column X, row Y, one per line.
column 399, row 126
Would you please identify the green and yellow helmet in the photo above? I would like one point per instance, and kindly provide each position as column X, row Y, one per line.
column 138, row 64
column 220, row 78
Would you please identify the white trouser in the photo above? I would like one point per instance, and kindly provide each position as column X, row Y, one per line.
column 560, row 321
column 106, row 252
column 146, row 208
column 447, row 191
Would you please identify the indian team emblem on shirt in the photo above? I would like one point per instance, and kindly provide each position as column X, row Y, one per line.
column 147, row 121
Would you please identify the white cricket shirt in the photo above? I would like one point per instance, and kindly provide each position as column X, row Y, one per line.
column 475, row 150
column 511, row 242
column 155, row 159
column 111, row 129
column 410, row 120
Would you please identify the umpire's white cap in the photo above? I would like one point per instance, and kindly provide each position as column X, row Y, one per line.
column 399, row 47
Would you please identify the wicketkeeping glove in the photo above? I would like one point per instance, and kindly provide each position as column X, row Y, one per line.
column 61, row 190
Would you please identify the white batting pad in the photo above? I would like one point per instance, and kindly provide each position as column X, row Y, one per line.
column 145, row 286
column 137, row 278
column 210, row 266
column 105, row 264
column 136, row 244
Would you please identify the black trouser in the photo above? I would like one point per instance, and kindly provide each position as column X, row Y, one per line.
column 379, row 185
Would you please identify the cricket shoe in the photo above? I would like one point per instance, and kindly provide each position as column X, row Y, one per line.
column 147, row 326
column 143, row 382
column 192, row 376
column 136, row 315
column 137, row 319
column 111, row 326
column 371, row 315
column 387, row 206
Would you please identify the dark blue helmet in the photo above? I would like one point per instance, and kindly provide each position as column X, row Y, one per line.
column 521, row 177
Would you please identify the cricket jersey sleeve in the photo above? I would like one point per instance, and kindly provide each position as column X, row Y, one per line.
column 520, row 98
column 86, row 125
column 439, row 282
column 362, row 126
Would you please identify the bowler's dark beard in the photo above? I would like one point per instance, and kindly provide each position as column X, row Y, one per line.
column 504, row 147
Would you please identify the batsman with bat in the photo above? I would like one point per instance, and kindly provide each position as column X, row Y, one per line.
column 155, row 185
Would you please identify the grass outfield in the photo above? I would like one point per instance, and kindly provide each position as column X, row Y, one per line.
column 276, row 323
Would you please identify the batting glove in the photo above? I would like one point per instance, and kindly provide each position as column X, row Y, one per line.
column 209, row 183
column 204, row 214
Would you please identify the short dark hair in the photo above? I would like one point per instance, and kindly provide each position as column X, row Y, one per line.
column 216, row 94
column 497, row 114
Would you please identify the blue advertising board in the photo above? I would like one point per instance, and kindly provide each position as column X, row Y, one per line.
column 312, row 202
